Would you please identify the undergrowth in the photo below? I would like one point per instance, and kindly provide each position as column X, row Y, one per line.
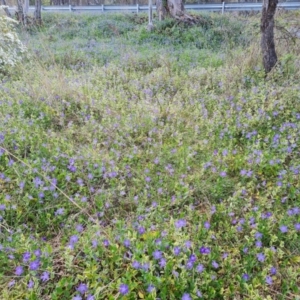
column 162, row 165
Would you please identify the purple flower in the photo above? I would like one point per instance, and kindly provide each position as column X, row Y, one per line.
column 124, row 289
column 245, row 277
column 188, row 244
column 73, row 240
column 150, row 288
column 273, row 271
column 94, row 243
column 297, row 226
column 207, row 225
column 204, row 250
column 79, row 228
column 176, row 251
column 30, row 284
column 215, row 264
column 45, row 276
column 37, row 252
column 19, row 270
column 82, row 288
column 283, row 229
column 189, row 265
column 11, row 283
column 90, row 297
column 193, row 258
column 258, row 235
column 243, row 172
column 269, row 280
column 162, row 263
column 59, row 212
column 34, row 265
column 258, row 244
column 106, row 243
column 136, row 265
column 26, row 256
column 180, row 223
column 77, row 297
column 200, row 268
column 199, row 294
column 186, row 296
column 145, row 266
column 141, row 230
column 126, row 243
column 260, row 257
column 223, row 174
column 157, row 254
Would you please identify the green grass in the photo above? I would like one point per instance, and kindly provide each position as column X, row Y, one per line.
column 157, row 165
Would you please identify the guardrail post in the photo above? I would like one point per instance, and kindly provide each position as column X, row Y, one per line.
column 102, row 7
column 137, row 8
column 223, row 7
column 70, row 8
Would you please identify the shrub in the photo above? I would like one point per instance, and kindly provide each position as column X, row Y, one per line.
column 11, row 48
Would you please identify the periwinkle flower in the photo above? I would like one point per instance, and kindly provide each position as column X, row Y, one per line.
column 126, row 243
column 162, row 262
column 157, row 254
column 34, row 265
column 150, row 288
column 26, row 256
column 204, row 250
column 45, row 276
column 269, row 280
column 200, row 268
column 215, row 264
column 180, row 223
column 273, row 271
column 82, row 288
column 19, row 270
column 106, row 243
column 186, row 296
column 136, row 265
column 245, row 277
column 30, row 284
column 124, row 289
column 176, row 251
column 283, row 229
column 207, row 225
column 260, row 257
column 73, row 240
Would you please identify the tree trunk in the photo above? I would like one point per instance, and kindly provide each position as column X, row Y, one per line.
column 175, row 9
column 267, row 37
column 170, row 8
column 3, row 2
column 38, row 12
column 20, row 13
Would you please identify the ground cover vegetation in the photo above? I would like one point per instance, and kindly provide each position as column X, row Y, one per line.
column 150, row 165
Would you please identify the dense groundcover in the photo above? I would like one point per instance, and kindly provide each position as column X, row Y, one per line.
column 162, row 165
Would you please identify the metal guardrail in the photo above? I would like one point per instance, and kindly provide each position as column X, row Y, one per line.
column 143, row 8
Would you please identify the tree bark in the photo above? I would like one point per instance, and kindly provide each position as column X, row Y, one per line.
column 170, row 8
column 267, row 37
column 38, row 12
column 175, row 9
column 3, row 2
column 20, row 13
